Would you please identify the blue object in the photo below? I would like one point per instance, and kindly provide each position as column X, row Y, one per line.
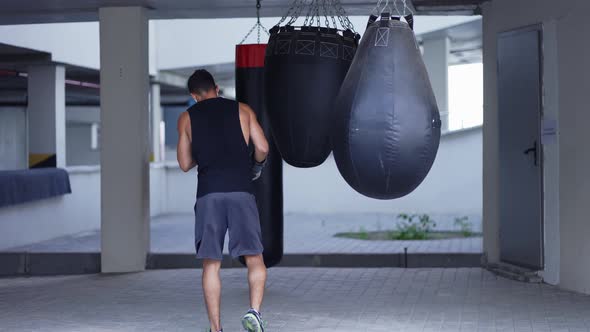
column 21, row 186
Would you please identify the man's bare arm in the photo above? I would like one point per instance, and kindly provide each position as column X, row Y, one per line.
column 256, row 135
column 183, row 149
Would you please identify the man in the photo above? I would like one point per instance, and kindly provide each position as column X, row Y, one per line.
column 214, row 135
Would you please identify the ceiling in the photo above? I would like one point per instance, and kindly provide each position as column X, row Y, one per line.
column 465, row 45
column 49, row 11
column 81, row 83
column 465, row 41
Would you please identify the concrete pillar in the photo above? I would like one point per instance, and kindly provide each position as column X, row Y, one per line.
column 436, row 58
column 47, row 116
column 156, row 117
column 124, row 98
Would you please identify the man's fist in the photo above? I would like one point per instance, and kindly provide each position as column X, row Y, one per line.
column 257, row 169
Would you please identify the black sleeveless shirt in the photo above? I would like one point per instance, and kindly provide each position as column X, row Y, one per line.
column 219, row 148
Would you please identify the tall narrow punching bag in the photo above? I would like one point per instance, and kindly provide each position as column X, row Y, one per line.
column 304, row 70
column 387, row 124
column 269, row 187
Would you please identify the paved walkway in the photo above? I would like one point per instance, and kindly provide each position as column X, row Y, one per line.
column 297, row 300
column 303, row 233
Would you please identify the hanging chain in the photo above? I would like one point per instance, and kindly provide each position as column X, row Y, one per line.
column 317, row 12
column 300, row 5
column 326, row 13
column 258, row 6
column 377, row 8
column 309, row 10
column 248, row 35
column 338, row 14
column 257, row 26
column 332, row 11
column 405, row 9
column 387, row 7
column 289, row 12
column 314, row 10
column 344, row 20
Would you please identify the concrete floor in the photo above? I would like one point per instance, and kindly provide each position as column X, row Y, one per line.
column 298, row 299
column 303, row 233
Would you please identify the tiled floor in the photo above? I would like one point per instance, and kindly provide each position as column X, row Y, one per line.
column 297, row 299
column 303, row 233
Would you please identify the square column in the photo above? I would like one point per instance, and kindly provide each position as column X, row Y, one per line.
column 124, row 115
column 436, row 58
column 156, row 123
column 46, row 113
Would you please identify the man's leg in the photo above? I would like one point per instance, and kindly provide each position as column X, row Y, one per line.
column 256, row 280
column 212, row 291
column 245, row 240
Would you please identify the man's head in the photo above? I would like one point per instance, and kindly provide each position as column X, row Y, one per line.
column 201, row 85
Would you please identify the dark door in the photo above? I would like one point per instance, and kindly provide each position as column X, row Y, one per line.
column 520, row 107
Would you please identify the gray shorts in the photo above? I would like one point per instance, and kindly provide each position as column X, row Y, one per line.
column 215, row 213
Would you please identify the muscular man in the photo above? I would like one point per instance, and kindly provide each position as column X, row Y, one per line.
column 214, row 135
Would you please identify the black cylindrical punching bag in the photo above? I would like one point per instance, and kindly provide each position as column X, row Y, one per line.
column 304, row 69
column 387, row 124
column 269, row 187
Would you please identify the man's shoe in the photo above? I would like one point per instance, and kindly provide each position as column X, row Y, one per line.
column 252, row 321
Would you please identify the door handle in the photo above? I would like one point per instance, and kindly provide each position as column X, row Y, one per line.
column 534, row 151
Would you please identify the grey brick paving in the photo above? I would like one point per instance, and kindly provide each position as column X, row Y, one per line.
column 303, row 233
column 297, row 299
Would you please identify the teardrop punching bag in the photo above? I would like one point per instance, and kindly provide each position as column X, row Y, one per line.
column 269, row 187
column 387, row 123
column 304, row 69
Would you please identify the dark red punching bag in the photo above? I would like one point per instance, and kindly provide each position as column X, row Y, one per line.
column 269, row 187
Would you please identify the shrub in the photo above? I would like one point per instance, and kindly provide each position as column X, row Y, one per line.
column 465, row 226
column 414, row 226
column 363, row 234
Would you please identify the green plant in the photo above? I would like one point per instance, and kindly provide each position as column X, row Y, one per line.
column 465, row 226
column 414, row 226
column 426, row 223
column 363, row 234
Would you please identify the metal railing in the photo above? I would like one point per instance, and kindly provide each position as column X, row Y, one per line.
column 455, row 121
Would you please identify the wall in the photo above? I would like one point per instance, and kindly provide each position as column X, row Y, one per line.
column 78, row 145
column 170, row 191
column 452, row 188
column 46, row 219
column 171, row 115
column 13, row 138
column 79, row 120
column 574, row 154
column 157, row 189
column 566, row 69
column 181, row 189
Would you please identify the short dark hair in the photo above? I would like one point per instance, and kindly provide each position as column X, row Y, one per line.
column 201, row 81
